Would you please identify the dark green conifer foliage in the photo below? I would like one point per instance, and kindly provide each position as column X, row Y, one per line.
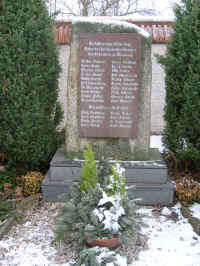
column 182, row 68
column 29, row 69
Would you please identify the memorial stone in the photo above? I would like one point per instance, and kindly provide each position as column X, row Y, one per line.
column 109, row 85
column 109, row 95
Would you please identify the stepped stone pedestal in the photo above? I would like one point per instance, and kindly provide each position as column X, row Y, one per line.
column 147, row 180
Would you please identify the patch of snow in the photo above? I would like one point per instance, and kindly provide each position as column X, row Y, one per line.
column 140, row 18
column 29, row 244
column 195, row 208
column 110, row 217
column 119, row 261
column 104, row 254
column 157, row 163
column 111, row 221
column 112, row 199
column 109, row 21
column 98, row 214
column 170, row 242
column 120, row 170
column 165, row 211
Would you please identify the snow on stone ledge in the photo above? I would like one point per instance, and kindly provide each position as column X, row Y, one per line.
column 109, row 21
column 140, row 18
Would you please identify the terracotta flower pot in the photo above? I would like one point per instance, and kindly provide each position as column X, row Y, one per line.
column 104, row 242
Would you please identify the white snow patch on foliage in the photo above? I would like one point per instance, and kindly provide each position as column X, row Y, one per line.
column 110, row 217
column 114, row 183
column 120, row 170
column 119, row 260
column 106, row 253
column 98, row 214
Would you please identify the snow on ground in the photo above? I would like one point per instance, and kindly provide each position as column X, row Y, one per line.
column 195, row 208
column 29, row 243
column 171, row 240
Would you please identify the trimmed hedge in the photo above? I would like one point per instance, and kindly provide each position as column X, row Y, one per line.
column 29, row 70
column 182, row 67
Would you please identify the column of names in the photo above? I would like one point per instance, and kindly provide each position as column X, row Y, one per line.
column 108, row 85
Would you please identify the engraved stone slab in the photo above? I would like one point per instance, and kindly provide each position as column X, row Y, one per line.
column 109, row 84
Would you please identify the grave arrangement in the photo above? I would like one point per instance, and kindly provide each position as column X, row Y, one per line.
column 108, row 106
column 99, row 213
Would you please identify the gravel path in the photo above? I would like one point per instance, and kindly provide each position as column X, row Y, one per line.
column 170, row 238
column 29, row 243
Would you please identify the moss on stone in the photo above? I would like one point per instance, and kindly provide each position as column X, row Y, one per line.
column 117, row 149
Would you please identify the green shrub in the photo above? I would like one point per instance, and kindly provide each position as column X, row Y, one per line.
column 117, row 181
column 101, row 210
column 182, row 67
column 8, row 176
column 89, row 172
column 29, row 69
column 79, row 216
column 5, row 210
column 110, row 177
column 97, row 257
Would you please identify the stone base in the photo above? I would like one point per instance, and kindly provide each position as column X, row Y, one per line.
column 146, row 172
column 147, row 180
column 152, row 194
column 52, row 191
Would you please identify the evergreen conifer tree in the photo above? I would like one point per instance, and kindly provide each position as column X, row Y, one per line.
column 182, row 67
column 29, row 69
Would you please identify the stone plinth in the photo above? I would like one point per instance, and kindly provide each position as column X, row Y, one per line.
column 146, row 180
